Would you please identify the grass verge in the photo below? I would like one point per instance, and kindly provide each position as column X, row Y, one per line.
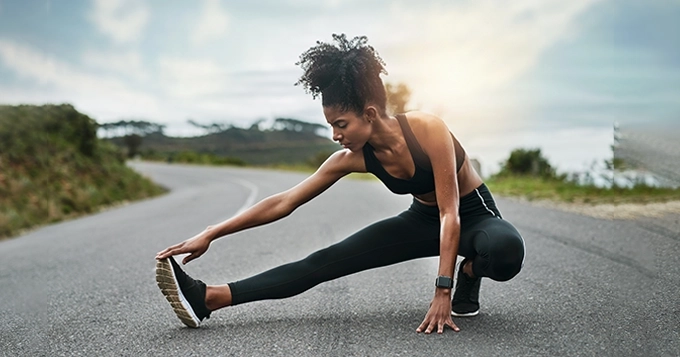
column 53, row 167
column 533, row 188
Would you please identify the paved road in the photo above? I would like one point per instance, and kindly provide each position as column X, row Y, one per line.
column 86, row 287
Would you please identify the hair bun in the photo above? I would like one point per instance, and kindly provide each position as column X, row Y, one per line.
column 345, row 73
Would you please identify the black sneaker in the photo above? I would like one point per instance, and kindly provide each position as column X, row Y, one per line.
column 185, row 294
column 465, row 301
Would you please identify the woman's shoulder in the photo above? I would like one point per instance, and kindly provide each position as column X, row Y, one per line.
column 418, row 115
column 346, row 161
column 422, row 122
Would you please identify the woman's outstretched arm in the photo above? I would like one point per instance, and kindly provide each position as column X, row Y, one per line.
column 440, row 149
column 273, row 207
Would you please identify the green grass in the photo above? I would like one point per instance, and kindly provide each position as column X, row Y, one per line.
column 532, row 188
column 52, row 167
column 192, row 157
column 300, row 167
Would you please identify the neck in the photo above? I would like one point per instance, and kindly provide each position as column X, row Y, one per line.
column 386, row 134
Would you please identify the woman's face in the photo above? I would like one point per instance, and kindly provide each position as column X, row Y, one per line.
column 349, row 129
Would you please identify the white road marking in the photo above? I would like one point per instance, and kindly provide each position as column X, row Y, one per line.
column 251, row 198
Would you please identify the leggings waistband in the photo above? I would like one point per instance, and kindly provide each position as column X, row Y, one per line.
column 478, row 202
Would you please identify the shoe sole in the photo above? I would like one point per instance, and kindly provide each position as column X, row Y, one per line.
column 467, row 314
column 167, row 282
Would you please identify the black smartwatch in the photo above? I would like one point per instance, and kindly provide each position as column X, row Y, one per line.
column 444, row 282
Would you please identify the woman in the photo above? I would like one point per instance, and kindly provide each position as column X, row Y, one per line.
column 453, row 213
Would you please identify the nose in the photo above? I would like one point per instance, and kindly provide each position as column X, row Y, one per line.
column 337, row 136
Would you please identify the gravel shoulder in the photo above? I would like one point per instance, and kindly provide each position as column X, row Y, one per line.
column 626, row 211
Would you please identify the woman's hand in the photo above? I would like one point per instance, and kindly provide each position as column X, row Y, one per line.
column 439, row 314
column 195, row 246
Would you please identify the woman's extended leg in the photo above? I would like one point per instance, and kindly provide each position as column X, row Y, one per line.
column 407, row 236
column 494, row 246
column 411, row 234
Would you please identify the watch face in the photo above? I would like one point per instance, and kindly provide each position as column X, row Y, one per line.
column 444, row 282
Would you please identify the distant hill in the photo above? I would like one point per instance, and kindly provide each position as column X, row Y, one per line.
column 254, row 146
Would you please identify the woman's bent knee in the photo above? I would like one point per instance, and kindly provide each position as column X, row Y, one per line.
column 508, row 259
column 506, row 272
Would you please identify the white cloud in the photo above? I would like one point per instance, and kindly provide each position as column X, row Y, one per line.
column 97, row 94
column 191, row 78
column 122, row 20
column 213, row 23
column 127, row 63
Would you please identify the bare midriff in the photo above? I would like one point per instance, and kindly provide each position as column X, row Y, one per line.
column 468, row 180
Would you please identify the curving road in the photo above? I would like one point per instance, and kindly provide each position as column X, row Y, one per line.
column 86, row 287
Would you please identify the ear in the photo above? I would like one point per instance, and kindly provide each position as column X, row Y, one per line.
column 371, row 113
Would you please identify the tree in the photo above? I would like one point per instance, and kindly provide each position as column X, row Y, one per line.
column 297, row 125
column 132, row 132
column 211, row 128
column 256, row 124
column 132, row 142
column 130, row 127
column 528, row 162
column 397, row 97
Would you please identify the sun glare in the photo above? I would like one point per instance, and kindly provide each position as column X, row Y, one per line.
column 464, row 59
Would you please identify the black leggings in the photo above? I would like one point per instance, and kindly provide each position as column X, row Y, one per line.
column 494, row 245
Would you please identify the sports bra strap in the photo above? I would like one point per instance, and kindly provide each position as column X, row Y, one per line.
column 419, row 156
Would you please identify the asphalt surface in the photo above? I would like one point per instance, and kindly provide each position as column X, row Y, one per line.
column 589, row 287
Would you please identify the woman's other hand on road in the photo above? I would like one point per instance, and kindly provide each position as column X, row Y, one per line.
column 439, row 314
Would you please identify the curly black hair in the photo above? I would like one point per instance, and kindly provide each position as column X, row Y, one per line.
column 346, row 74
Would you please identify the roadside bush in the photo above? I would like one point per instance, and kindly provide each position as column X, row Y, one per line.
column 527, row 162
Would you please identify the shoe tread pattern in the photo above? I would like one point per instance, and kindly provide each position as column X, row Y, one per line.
column 166, row 282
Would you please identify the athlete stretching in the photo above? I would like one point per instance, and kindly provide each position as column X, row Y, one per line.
column 453, row 212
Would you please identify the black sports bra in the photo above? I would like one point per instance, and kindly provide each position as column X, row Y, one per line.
column 423, row 179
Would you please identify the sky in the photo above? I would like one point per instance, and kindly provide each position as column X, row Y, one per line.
column 494, row 70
